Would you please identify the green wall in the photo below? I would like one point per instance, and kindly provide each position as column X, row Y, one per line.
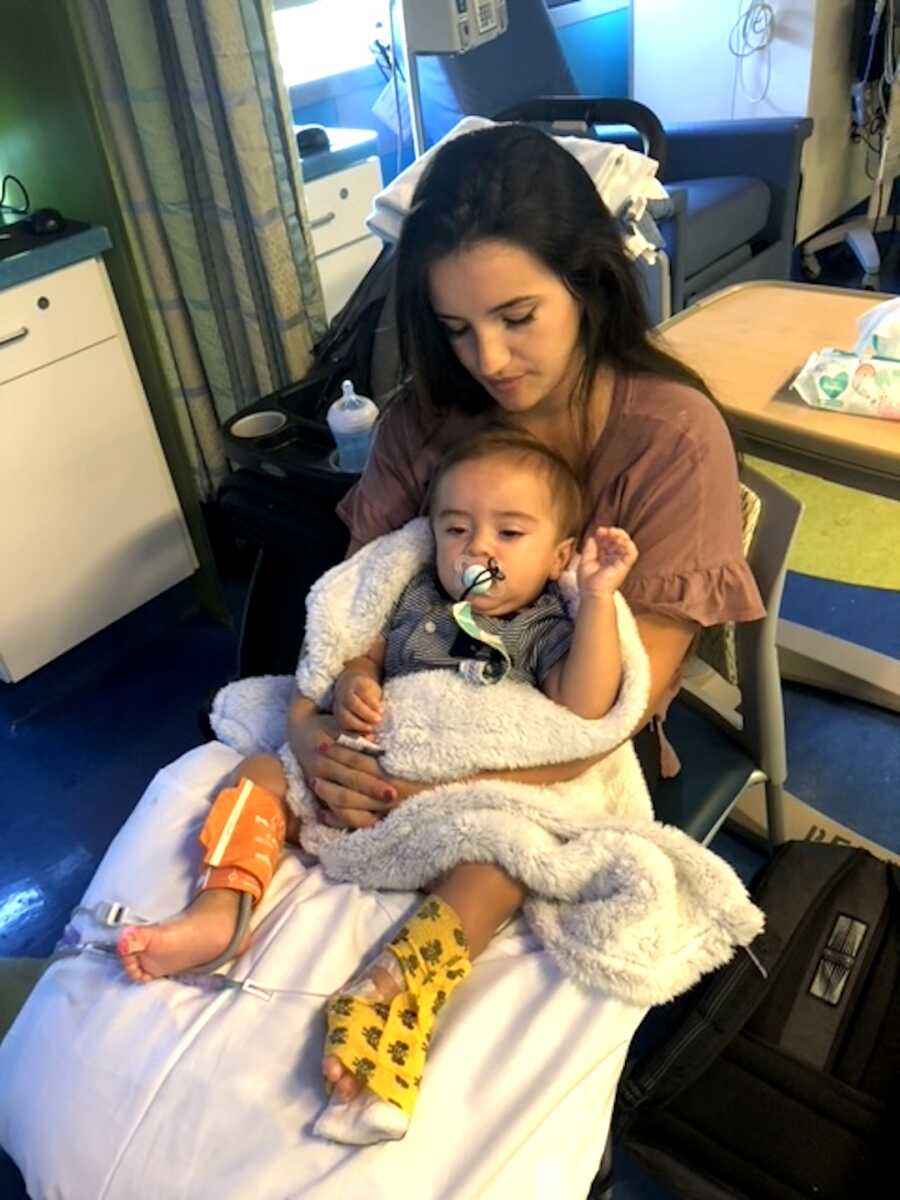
column 49, row 140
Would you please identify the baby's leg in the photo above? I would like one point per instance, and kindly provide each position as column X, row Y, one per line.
column 393, row 1005
column 484, row 897
column 253, row 813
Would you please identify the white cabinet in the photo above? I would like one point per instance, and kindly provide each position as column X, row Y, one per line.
column 90, row 526
column 337, row 206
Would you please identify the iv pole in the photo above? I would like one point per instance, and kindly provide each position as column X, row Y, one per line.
column 415, row 103
column 412, row 83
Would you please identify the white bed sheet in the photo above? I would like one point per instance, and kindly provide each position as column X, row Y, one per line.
column 111, row 1090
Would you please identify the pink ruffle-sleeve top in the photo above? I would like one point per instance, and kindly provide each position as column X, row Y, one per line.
column 663, row 468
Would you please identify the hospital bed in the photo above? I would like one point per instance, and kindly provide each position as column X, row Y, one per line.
column 121, row 1091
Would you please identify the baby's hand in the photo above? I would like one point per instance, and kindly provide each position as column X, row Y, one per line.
column 357, row 703
column 607, row 556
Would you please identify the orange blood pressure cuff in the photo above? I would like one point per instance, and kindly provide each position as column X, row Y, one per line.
column 242, row 839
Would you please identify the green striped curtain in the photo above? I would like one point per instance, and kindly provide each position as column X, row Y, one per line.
column 197, row 129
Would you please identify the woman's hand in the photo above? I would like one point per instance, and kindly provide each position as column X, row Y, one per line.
column 353, row 788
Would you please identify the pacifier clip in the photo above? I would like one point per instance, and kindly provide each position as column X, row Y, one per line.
column 476, row 670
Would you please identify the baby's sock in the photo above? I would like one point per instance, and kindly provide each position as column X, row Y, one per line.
column 385, row 1043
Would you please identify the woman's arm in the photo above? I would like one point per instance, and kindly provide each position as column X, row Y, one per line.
column 312, row 738
column 357, row 791
column 666, row 641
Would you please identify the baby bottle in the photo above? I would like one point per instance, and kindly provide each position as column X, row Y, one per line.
column 350, row 420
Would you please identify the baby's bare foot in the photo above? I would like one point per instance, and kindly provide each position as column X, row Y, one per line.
column 197, row 936
column 345, row 1084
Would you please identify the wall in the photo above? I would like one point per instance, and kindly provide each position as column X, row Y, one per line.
column 682, row 68
column 49, row 140
column 834, row 168
column 595, row 38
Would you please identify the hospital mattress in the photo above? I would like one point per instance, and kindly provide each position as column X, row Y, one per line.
column 119, row 1091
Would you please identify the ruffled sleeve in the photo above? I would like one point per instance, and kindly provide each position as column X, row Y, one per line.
column 710, row 596
column 667, row 473
column 680, row 501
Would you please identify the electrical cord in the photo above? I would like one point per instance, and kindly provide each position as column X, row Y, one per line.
column 384, row 58
column 4, row 207
column 752, row 33
column 889, row 74
column 873, row 130
column 872, row 97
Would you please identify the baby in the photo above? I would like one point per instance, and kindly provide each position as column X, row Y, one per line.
column 505, row 513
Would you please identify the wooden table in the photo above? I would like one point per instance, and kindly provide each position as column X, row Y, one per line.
column 748, row 342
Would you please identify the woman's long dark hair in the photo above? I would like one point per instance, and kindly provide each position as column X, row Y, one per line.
column 514, row 183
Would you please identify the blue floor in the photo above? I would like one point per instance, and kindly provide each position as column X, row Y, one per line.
column 80, row 739
column 77, row 760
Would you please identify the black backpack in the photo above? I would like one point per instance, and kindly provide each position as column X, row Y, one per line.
column 782, row 1075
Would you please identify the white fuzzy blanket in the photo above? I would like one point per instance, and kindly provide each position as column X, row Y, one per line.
column 621, row 902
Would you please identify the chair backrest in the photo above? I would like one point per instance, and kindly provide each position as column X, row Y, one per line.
column 608, row 118
column 746, row 654
column 526, row 61
column 759, row 676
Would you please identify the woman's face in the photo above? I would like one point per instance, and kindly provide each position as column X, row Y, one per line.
column 512, row 323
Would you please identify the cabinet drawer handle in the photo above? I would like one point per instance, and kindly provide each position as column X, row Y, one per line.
column 320, row 221
column 7, row 339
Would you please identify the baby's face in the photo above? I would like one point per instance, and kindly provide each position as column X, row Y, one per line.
column 495, row 508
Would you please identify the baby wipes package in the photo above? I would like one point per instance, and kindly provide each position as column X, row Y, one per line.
column 836, row 379
column 864, row 381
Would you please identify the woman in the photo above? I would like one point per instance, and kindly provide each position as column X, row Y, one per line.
column 514, row 293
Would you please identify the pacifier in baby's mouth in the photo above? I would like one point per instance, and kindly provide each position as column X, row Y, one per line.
column 477, row 576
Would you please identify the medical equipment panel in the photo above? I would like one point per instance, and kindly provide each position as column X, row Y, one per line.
column 452, row 26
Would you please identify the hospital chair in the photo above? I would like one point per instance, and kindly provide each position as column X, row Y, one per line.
column 734, row 184
column 722, row 229
column 728, row 721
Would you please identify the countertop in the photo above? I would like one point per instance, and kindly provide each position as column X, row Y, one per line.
column 24, row 255
column 348, row 146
